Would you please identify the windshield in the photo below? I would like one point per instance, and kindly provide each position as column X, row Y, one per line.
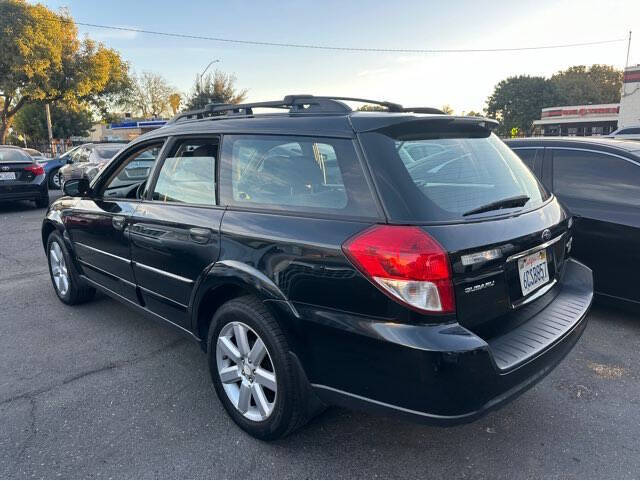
column 448, row 176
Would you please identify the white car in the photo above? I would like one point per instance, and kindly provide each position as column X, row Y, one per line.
column 631, row 133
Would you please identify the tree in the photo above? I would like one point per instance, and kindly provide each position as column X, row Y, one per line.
column 43, row 60
column 579, row 85
column 447, row 109
column 473, row 113
column 218, row 87
column 372, row 108
column 150, row 96
column 174, row 101
column 31, row 122
column 517, row 101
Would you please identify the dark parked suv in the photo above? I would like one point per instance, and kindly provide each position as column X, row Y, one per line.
column 403, row 261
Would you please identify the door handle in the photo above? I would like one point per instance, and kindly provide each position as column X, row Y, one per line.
column 200, row 236
column 118, row 222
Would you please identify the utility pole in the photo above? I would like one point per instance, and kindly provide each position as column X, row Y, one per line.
column 49, row 129
column 626, row 64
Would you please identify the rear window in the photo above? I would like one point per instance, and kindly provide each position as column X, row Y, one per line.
column 296, row 174
column 446, row 175
column 13, row 155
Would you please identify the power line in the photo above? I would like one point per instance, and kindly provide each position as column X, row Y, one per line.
column 347, row 49
column 338, row 48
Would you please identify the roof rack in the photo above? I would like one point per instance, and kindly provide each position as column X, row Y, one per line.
column 295, row 104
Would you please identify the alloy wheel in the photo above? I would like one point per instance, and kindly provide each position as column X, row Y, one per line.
column 246, row 371
column 57, row 180
column 59, row 269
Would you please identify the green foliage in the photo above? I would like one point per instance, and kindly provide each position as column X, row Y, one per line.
column 579, row 85
column 66, row 122
column 43, row 60
column 218, row 87
column 517, row 101
column 473, row 113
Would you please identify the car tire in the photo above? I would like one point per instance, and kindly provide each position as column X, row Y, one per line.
column 289, row 402
column 65, row 278
column 52, row 180
column 42, row 202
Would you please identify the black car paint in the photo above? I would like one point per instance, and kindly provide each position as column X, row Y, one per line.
column 26, row 186
column 354, row 343
column 607, row 235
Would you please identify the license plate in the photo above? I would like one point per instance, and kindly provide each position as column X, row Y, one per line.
column 7, row 176
column 534, row 271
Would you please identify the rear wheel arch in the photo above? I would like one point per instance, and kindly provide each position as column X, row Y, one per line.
column 210, row 301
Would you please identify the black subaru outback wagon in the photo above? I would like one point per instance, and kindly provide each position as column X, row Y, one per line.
column 404, row 261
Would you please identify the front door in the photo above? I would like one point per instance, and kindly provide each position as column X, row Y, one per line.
column 175, row 231
column 98, row 225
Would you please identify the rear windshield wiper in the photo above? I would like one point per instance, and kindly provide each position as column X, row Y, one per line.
column 516, row 201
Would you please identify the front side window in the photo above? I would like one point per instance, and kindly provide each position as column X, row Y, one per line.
column 132, row 172
column 597, row 177
column 449, row 173
column 188, row 175
column 301, row 174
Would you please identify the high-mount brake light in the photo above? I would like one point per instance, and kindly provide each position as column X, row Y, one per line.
column 407, row 263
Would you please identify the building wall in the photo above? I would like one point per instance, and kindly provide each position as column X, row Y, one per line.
column 630, row 100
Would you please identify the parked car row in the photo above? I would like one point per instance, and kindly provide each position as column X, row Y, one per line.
column 405, row 262
column 598, row 181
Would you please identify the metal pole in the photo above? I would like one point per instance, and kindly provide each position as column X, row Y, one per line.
column 626, row 64
column 51, row 144
column 205, row 70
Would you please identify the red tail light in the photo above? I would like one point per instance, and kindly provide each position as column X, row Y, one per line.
column 35, row 169
column 406, row 263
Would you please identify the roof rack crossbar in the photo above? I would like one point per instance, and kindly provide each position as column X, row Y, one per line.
column 295, row 104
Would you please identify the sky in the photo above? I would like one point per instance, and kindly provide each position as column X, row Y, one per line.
column 461, row 80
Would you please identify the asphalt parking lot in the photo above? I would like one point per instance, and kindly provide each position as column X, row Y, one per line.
column 97, row 391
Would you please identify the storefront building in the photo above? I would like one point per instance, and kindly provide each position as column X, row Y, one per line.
column 577, row 120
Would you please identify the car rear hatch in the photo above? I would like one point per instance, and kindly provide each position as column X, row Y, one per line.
column 505, row 235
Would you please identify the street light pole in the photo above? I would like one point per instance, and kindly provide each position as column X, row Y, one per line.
column 205, row 71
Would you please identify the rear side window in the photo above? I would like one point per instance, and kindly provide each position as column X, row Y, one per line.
column 445, row 173
column 299, row 174
column 597, row 177
column 188, row 175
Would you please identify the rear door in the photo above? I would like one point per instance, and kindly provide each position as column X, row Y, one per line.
column 175, row 230
column 603, row 191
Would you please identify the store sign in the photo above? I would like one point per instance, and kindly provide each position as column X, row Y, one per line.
column 580, row 111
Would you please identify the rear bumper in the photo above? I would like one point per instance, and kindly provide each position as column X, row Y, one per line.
column 33, row 190
column 440, row 374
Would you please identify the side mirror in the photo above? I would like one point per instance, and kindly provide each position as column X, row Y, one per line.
column 76, row 187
